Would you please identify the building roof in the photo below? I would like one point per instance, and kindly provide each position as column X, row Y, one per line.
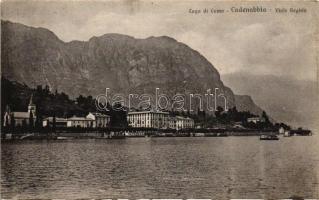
column 24, row 115
column 79, row 119
column 147, row 111
column 58, row 119
column 181, row 117
column 96, row 114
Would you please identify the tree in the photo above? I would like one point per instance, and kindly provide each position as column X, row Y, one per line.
column 54, row 122
column 38, row 122
column 47, row 89
column 118, row 116
column 218, row 112
column 265, row 117
column 188, row 113
column 13, row 122
column 233, row 114
column 31, row 120
column 24, row 124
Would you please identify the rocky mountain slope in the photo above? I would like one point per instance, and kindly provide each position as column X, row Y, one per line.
column 36, row 56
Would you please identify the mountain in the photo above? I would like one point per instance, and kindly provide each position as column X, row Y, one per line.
column 245, row 102
column 126, row 65
column 285, row 99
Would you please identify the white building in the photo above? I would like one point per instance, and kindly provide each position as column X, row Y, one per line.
column 179, row 122
column 172, row 121
column 148, row 119
column 59, row 122
column 100, row 120
column 80, row 122
column 157, row 119
column 255, row 119
column 92, row 120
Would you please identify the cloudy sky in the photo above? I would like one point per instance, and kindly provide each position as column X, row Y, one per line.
column 270, row 43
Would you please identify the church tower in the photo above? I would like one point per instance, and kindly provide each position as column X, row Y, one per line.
column 32, row 107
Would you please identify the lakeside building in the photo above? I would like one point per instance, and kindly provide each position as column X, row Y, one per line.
column 184, row 122
column 21, row 118
column 148, row 119
column 179, row 122
column 82, row 122
column 158, row 119
column 255, row 119
column 100, row 120
column 172, row 122
column 59, row 122
column 92, row 120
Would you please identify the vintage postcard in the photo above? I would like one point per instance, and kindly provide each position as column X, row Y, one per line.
column 159, row 99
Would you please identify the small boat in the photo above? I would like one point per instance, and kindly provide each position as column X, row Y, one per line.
column 199, row 135
column 169, row 135
column 216, row 135
column 33, row 136
column 64, row 138
column 269, row 137
column 301, row 132
column 27, row 136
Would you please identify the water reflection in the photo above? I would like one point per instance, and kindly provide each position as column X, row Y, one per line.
column 220, row 168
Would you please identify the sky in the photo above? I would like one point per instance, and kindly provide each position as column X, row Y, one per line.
column 255, row 43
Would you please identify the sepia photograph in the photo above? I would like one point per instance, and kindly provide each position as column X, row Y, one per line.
column 159, row 99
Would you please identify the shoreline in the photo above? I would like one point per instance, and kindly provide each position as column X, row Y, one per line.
column 99, row 136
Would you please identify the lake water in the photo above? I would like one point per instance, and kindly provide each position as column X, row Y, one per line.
column 218, row 168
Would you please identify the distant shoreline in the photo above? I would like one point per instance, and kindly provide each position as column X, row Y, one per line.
column 136, row 134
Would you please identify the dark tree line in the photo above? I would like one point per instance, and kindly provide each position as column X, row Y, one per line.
column 58, row 104
column 48, row 103
column 226, row 118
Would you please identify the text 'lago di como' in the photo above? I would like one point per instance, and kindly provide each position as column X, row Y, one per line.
column 248, row 9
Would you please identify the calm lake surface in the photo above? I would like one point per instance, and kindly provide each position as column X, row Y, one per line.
column 219, row 168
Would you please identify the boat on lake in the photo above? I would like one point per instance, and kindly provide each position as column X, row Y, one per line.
column 64, row 138
column 269, row 137
column 199, row 134
column 216, row 135
column 301, row 132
